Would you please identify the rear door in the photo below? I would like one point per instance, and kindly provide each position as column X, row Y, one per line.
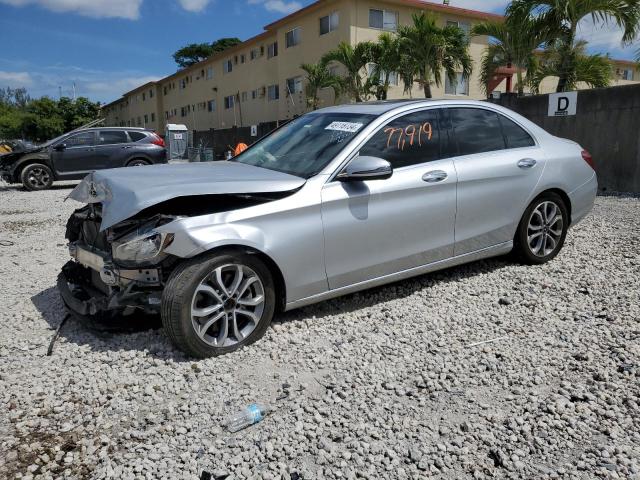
column 112, row 148
column 78, row 157
column 499, row 165
column 379, row 227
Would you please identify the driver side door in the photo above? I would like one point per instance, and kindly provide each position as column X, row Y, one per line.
column 77, row 158
column 374, row 228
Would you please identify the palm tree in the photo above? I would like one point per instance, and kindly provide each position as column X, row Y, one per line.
column 594, row 70
column 512, row 45
column 319, row 77
column 354, row 59
column 561, row 19
column 432, row 48
column 385, row 56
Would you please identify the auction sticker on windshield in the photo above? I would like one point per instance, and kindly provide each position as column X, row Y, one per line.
column 344, row 126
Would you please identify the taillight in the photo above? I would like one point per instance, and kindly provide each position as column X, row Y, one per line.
column 157, row 140
column 586, row 156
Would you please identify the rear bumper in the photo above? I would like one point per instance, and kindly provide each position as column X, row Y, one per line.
column 582, row 199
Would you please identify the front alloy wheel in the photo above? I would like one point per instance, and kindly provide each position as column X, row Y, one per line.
column 227, row 305
column 216, row 303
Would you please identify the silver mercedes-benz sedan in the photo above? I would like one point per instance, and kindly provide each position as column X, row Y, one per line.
column 336, row 201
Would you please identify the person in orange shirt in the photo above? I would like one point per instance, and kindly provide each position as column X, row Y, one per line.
column 240, row 147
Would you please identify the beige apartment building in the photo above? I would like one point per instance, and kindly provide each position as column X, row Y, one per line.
column 260, row 80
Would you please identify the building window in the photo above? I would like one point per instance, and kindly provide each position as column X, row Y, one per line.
column 383, row 19
column 228, row 66
column 150, row 93
column 292, row 38
column 211, row 106
column 329, row 23
column 253, row 54
column 144, row 96
column 393, row 76
column 229, row 102
column 254, row 94
column 153, row 117
column 183, row 84
column 273, row 92
column 294, row 85
column 459, row 87
column 464, row 26
column 245, row 96
column 272, row 50
column 243, row 58
column 209, row 73
column 626, row 74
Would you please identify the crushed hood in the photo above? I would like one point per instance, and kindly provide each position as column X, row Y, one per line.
column 125, row 192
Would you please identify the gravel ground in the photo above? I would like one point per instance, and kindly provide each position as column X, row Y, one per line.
column 382, row 384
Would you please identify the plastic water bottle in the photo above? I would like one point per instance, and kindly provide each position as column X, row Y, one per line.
column 246, row 417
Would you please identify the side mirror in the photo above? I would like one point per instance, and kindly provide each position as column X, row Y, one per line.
column 366, row 168
column 59, row 147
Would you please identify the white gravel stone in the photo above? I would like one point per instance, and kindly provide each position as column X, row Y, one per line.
column 379, row 384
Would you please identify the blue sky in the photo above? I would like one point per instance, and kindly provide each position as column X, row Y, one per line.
column 110, row 46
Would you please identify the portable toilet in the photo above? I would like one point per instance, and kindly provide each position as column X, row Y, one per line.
column 177, row 140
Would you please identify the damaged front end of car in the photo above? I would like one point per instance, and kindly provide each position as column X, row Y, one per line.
column 137, row 226
column 119, row 270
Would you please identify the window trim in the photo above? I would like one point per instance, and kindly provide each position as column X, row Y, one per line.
column 328, row 17
column 498, row 112
column 292, row 31
column 384, row 10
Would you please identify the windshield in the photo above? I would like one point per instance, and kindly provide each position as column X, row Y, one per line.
column 306, row 145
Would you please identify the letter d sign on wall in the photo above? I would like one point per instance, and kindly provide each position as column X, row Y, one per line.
column 563, row 104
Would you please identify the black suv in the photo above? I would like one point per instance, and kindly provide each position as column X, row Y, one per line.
column 75, row 154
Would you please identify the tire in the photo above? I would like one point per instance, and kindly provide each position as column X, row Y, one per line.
column 138, row 162
column 194, row 287
column 36, row 176
column 542, row 229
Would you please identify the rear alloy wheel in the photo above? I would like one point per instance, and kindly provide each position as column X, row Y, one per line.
column 217, row 304
column 138, row 163
column 543, row 229
column 36, row 177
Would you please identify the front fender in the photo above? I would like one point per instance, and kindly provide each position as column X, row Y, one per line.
column 15, row 169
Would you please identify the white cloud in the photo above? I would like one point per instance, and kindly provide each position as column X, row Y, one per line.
column 279, row 6
column 194, row 5
column 129, row 9
column 15, row 79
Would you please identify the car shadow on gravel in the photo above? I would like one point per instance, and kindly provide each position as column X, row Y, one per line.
column 114, row 335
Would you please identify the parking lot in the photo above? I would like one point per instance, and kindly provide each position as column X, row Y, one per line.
column 389, row 383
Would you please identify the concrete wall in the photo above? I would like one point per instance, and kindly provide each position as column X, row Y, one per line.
column 607, row 124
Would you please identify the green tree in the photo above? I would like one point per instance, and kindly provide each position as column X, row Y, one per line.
column 196, row 52
column 319, row 77
column 386, row 58
column 561, row 19
column 432, row 49
column 354, row 59
column 512, row 44
column 594, row 70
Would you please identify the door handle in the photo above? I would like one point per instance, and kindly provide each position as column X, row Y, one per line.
column 527, row 163
column 435, row 176
column 126, row 147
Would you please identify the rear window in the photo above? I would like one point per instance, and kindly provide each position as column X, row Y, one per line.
column 111, row 137
column 476, row 130
column 514, row 134
column 136, row 136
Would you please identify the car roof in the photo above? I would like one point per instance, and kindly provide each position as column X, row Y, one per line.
column 140, row 129
column 384, row 106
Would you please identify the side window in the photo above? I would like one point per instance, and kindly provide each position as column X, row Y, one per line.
column 476, row 130
column 514, row 135
column 136, row 136
column 407, row 140
column 111, row 137
column 84, row 139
